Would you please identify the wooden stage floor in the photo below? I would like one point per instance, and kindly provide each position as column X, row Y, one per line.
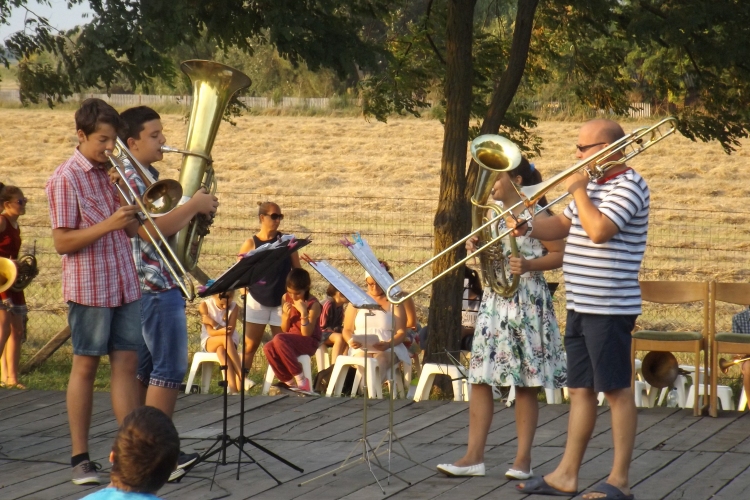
column 676, row 456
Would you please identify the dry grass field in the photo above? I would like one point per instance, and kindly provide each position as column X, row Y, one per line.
column 334, row 176
column 354, row 157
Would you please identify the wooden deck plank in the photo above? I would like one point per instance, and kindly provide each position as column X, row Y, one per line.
column 736, row 488
column 713, row 478
column 655, row 436
column 673, row 475
column 728, row 437
column 699, row 431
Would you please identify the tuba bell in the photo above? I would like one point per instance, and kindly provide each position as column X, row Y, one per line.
column 213, row 85
column 494, row 154
column 8, row 273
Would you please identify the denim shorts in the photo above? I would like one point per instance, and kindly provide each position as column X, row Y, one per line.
column 97, row 331
column 163, row 357
column 598, row 349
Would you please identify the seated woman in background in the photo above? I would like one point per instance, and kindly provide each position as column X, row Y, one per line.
column 382, row 323
column 332, row 322
column 470, row 306
column 214, row 330
column 301, row 333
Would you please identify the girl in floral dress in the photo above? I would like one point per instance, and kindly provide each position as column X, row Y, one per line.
column 516, row 341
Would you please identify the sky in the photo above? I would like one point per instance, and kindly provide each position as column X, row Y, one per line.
column 57, row 14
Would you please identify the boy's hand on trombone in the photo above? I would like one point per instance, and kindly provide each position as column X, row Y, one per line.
column 123, row 217
column 114, row 176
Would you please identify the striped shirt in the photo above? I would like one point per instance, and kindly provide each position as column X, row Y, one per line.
column 152, row 272
column 603, row 278
column 102, row 274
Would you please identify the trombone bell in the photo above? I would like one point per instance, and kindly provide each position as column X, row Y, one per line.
column 162, row 197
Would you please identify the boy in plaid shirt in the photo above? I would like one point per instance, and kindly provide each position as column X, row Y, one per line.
column 91, row 230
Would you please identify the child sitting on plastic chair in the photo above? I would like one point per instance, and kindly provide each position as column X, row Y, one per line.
column 301, row 333
column 214, row 327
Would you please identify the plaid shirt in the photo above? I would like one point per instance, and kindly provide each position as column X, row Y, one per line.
column 154, row 275
column 741, row 322
column 102, row 274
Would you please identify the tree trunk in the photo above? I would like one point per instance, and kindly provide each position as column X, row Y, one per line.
column 452, row 218
column 507, row 86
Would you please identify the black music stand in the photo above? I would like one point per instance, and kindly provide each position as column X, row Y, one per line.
column 250, row 270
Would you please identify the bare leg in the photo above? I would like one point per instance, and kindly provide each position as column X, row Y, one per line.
column 581, row 420
column 624, row 420
column 527, row 416
column 253, row 337
column 481, row 411
column 162, row 398
column 79, row 400
column 5, row 331
column 142, row 393
column 234, row 364
column 13, row 350
column 339, row 346
column 124, row 383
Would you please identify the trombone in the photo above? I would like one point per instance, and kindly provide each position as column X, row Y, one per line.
column 160, row 197
column 595, row 166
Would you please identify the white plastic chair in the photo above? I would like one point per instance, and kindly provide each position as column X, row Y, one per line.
column 322, row 359
column 427, row 378
column 338, row 376
column 201, row 358
column 304, row 360
column 723, row 392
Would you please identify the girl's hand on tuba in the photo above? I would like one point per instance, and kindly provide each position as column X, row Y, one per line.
column 471, row 244
column 519, row 265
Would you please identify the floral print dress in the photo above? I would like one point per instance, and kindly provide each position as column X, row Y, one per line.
column 517, row 340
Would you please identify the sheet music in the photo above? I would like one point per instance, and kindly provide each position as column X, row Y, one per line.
column 361, row 251
column 369, row 339
column 356, row 296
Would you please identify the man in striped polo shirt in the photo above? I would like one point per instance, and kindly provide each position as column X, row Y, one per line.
column 606, row 226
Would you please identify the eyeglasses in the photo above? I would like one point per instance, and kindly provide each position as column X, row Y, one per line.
column 275, row 216
column 22, row 201
column 585, row 148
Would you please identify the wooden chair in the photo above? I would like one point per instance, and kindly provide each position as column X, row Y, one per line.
column 729, row 343
column 676, row 292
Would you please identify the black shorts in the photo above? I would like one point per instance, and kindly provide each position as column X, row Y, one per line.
column 598, row 350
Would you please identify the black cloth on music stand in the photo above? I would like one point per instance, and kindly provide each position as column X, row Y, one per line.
column 250, row 270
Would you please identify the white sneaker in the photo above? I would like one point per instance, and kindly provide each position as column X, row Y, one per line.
column 451, row 470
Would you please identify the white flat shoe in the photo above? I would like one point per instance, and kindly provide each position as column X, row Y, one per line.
column 455, row 471
column 519, row 474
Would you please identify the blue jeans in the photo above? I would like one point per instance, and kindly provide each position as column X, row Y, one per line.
column 162, row 359
column 97, row 331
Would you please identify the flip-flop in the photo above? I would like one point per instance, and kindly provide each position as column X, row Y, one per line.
column 611, row 492
column 538, row 486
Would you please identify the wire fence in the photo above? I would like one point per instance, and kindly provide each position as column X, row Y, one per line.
column 682, row 245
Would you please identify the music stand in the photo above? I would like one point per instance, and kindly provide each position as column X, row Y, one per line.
column 361, row 251
column 359, row 299
column 255, row 267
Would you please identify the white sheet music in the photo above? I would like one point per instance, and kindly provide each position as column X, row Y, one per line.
column 356, row 296
column 361, row 251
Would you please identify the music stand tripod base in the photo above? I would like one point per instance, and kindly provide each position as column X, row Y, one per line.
column 367, row 448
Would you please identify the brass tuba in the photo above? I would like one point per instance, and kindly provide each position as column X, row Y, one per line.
column 8, row 273
column 494, row 154
column 213, row 85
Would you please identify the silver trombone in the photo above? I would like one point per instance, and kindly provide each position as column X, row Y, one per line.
column 160, row 198
column 595, row 166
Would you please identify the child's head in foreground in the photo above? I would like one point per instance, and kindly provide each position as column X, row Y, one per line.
column 145, row 451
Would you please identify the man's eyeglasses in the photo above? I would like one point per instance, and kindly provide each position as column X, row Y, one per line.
column 275, row 216
column 22, row 201
column 585, row 148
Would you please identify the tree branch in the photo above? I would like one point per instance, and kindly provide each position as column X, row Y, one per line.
column 427, row 34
